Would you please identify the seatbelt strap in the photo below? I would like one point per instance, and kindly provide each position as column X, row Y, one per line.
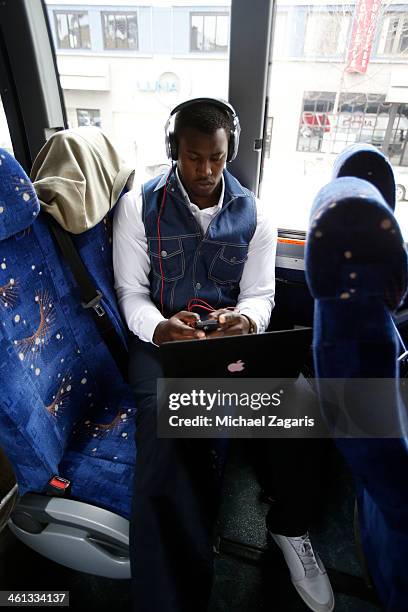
column 90, row 296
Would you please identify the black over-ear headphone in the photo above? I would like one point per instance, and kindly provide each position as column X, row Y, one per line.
column 171, row 138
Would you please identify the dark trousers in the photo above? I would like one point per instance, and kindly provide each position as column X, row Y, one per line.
column 176, row 498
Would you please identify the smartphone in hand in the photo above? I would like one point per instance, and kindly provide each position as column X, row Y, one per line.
column 207, row 325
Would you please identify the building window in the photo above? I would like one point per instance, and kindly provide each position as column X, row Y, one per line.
column 326, row 34
column 314, row 119
column 209, row 32
column 89, row 116
column 359, row 117
column 394, row 35
column 120, row 31
column 72, row 30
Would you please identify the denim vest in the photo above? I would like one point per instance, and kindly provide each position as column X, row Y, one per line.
column 195, row 265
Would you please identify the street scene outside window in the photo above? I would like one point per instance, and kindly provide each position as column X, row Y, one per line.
column 338, row 76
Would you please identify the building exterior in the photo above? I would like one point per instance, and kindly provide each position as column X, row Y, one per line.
column 339, row 76
column 336, row 99
column 123, row 67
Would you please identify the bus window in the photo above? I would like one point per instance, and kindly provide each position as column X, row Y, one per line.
column 5, row 140
column 124, row 69
column 337, row 77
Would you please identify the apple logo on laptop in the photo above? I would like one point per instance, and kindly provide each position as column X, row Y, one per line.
column 237, row 366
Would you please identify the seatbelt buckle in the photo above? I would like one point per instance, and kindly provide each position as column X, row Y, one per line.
column 58, row 486
column 94, row 303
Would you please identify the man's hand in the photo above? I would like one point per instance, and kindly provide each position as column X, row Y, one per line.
column 230, row 323
column 180, row 326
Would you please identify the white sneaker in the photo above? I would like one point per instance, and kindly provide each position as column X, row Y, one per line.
column 307, row 572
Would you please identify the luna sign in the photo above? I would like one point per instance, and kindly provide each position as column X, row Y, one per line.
column 167, row 83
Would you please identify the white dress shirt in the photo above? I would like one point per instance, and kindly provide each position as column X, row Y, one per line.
column 131, row 264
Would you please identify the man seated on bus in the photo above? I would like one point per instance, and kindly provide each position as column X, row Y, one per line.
column 167, row 242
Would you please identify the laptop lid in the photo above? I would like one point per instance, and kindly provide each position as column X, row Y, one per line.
column 277, row 354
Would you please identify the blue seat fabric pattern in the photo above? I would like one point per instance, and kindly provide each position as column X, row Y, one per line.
column 64, row 407
column 356, row 269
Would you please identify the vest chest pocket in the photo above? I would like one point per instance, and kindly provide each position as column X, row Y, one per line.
column 228, row 264
column 171, row 256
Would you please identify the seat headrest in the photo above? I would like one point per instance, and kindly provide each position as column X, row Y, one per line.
column 367, row 162
column 19, row 204
column 354, row 247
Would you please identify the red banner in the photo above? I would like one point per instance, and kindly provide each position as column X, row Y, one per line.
column 364, row 27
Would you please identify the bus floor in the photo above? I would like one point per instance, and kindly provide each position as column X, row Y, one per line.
column 249, row 576
column 252, row 577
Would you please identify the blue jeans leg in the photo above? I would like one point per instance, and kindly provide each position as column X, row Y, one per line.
column 174, row 505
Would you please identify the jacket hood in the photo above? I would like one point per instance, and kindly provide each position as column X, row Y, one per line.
column 79, row 176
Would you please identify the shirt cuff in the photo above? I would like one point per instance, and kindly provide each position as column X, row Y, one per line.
column 146, row 325
column 253, row 315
